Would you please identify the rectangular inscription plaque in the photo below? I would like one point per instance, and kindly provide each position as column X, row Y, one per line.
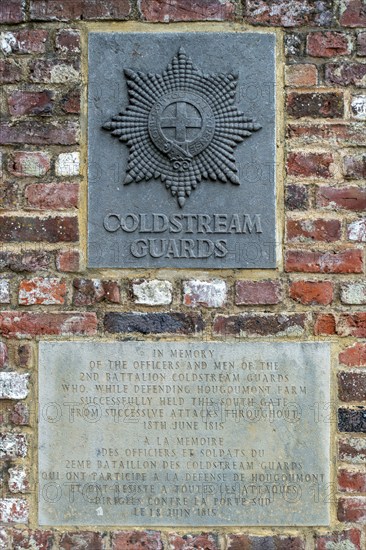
column 175, row 433
column 181, row 155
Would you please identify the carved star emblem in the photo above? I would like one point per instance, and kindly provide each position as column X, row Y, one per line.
column 181, row 126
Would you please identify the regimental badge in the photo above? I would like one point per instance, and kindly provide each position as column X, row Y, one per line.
column 181, row 126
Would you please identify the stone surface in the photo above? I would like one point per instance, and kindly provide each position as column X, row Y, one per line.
column 181, row 214
column 157, row 418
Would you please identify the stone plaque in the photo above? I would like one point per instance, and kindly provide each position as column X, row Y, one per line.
column 181, row 158
column 184, row 434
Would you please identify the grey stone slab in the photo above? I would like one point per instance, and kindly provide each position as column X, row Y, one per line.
column 188, row 177
column 184, row 434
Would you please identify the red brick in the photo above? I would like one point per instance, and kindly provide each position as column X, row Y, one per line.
column 33, row 540
column 301, row 74
column 352, row 324
column 248, row 324
column 70, row 102
column 312, row 292
column 190, row 10
column 21, row 324
column 52, row 196
column 354, row 167
column 64, row 10
column 352, row 450
column 27, row 261
column 351, row 386
column 353, row 13
column 81, row 540
column 68, row 41
column 280, row 13
column 361, row 43
column 39, row 133
column 328, row 44
column 297, row 197
column 342, row 133
column 34, row 229
column 206, row 541
column 352, row 509
column 14, row 510
column 346, row 74
column 30, row 41
column 309, row 164
column 29, row 163
column 257, row 292
column 12, row 11
column 340, row 539
column 136, row 540
column 306, row 261
column 269, row 542
column 325, row 324
column 92, row 291
column 30, row 103
column 4, row 357
column 313, row 230
column 10, row 71
column 348, row 198
column 354, row 356
column 316, row 105
column 19, row 415
column 42, row 291
column 68, row 260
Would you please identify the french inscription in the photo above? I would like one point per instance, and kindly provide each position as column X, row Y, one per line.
column 174, row 433
column 191, row 124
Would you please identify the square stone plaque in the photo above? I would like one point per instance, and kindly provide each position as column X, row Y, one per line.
column 181, row 154
column 184, row 434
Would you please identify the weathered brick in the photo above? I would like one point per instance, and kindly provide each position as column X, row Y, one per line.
column 14, row 510
column 352, row 509
column 39, row 133
column 42, row 291
column 352, row 450
column 80, row 540
column 280, row 13
column 336, row 198
column 64, row 10
column 351, row 482
column 316, row 165
column 4, row 356
column 70, row 102
column 13, row 445
column 136, row 540
column 152, row 293
column 25, row 41
column 276, row 542
column 23, row 325
column 248, row 324
column 341, row 133
column 24, row 356
column 354, row 356
column 307, row 261
column 328, row 44
column 52, row 230
column 55, row 71
column 68, row 261
column 52, row 196
column 352, row 420
column 19, row 415
column 294, row 44
column 353, row 293
column 353, row 13
column 356, row 231
column 316, row 105
column 153, row 323
column 5, row 535
column 29, row 163
column 12, row 11
column 346, row 74
column 354, row 167
column 33, row 540
column 348, row 540
column 68, row 41
column 208, row 541
column 191, row 10
column 10, row 71
column 30, row 103
column 204, row 293
column 312, row 292
column 351, row 386
column 297, row 197
column 4, row 291
column 361, row 43
column 18, row 481
column 9, row 195
column 28, row 261
column 92, row 291
column 301, row 74
column 258, row 292
column 352, row 324
column 309, row 230
column 13, row 385
column 358, row 106
column 325, row 324
column 68, row 164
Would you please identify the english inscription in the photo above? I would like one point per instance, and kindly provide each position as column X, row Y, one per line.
column 184, row 434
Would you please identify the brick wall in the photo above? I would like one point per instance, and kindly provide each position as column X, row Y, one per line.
column 46, row 290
